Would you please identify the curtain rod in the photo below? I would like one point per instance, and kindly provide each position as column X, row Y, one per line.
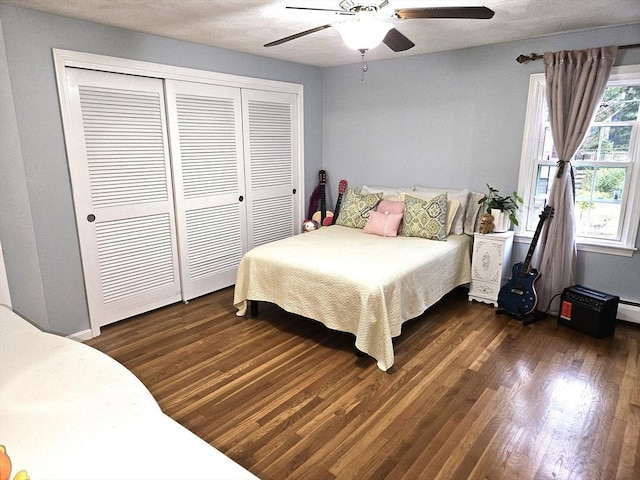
column 534, row 56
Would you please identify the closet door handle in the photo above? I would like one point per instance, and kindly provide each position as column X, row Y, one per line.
column 91, row 217
column 294, row 191
column 241, row 198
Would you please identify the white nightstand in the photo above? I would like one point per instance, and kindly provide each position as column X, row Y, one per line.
column 490, row 265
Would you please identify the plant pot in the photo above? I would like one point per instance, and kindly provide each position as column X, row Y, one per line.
column 501, row 222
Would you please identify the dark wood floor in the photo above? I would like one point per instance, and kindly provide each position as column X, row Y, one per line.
column 472, row 394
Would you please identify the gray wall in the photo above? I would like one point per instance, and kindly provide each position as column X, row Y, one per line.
column 16, row 222
column 454, row 119
column 37, row 225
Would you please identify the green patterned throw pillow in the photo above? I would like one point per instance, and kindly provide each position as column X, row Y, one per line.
column 425, row 218
column 356, row 208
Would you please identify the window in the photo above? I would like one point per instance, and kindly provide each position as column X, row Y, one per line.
column 606, row 166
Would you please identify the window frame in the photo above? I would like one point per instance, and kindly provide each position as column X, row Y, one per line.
column 532, row 145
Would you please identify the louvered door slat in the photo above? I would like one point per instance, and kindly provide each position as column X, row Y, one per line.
column 214, row 238
column 135, row 256
column 126, row 125
column 208, row 144
column 270, row 130
column 266, row 224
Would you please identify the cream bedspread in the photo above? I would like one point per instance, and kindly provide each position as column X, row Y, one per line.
column 355, row 282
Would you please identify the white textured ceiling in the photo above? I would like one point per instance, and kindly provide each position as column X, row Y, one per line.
column 245, row 26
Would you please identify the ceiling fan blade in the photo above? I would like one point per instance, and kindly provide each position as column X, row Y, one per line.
column 397, row 42
column 297, row 35
column 445, row 12
column 341, row 12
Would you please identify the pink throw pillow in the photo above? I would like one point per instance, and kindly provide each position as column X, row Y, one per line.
column 383, row 224
column 390, row 206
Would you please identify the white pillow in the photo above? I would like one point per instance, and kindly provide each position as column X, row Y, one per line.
column 388, row 193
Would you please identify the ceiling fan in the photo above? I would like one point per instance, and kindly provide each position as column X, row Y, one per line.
column 368, row 25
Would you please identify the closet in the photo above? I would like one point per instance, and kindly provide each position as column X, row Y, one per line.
column 173, row 181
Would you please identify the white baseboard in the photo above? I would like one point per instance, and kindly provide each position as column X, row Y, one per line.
column 81, row 336
column 629, row 313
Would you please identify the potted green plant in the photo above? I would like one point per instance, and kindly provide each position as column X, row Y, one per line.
column 502, row 208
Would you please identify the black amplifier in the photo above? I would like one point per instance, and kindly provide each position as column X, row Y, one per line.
column 588, row 311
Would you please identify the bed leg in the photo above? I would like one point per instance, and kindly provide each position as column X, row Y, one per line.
column 254, row 308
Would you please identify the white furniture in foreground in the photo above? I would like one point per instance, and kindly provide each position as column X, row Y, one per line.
column 68, row 411
column 490, row 265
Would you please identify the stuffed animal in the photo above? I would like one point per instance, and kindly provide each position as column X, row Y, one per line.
column 5, row 467
column 486, row 223
column 309, row 225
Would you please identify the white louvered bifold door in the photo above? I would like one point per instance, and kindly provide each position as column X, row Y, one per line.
column 121, row 179
column 206, row 149
column 271, row 164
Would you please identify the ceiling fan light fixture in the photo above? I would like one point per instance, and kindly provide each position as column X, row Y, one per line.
column 368, row 28
column 363, row 34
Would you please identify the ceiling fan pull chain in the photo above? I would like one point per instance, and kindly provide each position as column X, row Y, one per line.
column 365, row 67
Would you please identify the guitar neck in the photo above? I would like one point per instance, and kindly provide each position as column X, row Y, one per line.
column 323, row 200
column 342, row 187
column 338, row 203
column 322, row 180
column 527, row 261
column 534, row 241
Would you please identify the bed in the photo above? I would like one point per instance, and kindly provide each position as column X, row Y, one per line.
column 362, row 283
column 67, row 411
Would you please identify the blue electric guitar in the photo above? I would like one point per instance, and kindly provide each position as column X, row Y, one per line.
column 518, row 296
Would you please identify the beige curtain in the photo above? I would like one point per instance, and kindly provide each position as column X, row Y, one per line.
column 575, row 83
